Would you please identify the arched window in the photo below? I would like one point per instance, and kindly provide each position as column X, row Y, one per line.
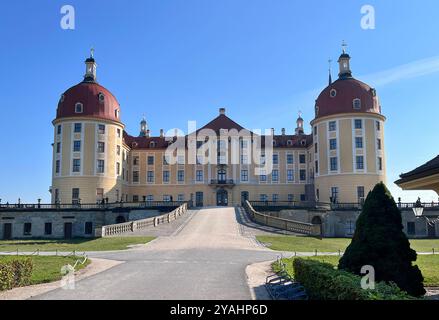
column 79, row 108
column 357, row 104
column 152, row 144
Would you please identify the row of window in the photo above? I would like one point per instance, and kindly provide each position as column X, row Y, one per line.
column 199, row 176
column 358, row 124
column 77, row 128
column 335, row 194
column 275, row 197
column 48, row 228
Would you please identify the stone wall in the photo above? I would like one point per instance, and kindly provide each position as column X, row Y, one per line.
column 77, row 218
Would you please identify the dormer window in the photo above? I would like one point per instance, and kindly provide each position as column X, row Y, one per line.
column 289, row 142
column 357, row 104
column 116, row 113
column 303, row 142
column 79, row 108
column 333, row 93
column 101, row 97
column 274, row 143
column 374, row 92
column 62, row 98
column 317, row 110
column 152, row 144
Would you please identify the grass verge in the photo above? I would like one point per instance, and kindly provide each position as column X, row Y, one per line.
column 80, row 245
column 47, row 269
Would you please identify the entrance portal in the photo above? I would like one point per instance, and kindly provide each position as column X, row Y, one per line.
column 7, row 231
column 222, row 198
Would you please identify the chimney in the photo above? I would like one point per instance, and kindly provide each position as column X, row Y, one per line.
column 272, row 131
column 283, row 131
column 222, row 111
column 161, row 133
column 148, row 132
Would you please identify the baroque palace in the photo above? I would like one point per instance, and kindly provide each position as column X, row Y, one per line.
column 95, row 159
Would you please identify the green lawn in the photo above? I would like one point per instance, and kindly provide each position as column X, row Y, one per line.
column 80, row 245
column 308, row 244
column 429, row 265
column 47, row 269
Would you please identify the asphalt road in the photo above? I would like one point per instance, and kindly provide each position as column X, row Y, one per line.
column 203, row 258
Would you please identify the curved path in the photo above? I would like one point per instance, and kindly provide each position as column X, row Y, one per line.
column 205, row 258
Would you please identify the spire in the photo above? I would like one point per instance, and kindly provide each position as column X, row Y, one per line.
column 344, row 63
column 330, row 72
column 90, row 70
column 144, row 131
column 299, row 122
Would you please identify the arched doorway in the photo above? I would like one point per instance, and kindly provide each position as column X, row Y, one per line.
column 222, row 198
column 120, row 219
column 316, row 220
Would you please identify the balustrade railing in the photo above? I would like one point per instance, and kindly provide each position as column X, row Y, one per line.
column 133, row 226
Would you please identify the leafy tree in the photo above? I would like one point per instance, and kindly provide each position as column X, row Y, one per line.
column 380, row 242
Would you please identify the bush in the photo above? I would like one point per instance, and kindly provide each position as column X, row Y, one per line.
column 379, row 241
column 323, row 282
column 15, row 273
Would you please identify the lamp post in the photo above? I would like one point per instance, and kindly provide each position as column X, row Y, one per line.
column 418, row 209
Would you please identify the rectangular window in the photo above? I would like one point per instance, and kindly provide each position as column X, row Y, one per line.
column 244, row 175
column 166, row 198
column 262, row 176
column 88, row 228
column 150, row 198
column 150, row 177
column 316, row 149
column 290, row 197
column 166, row 176
column 101, row 129
column 290, row 175
column 302, row 175
column 360, row 194
column 332, row 126
column 302, row 197
column 76, row 165
column 333, row 163
column 244, row 159
column 358, row 124
column 101, row 147
column 315, row 130
column 117, row 168
column 57, row 166
column 75, row 193
column 118, row 150
column 332, row 144
column 359, row 142
column 150, row 160
column 135, row 198
column 27, row 229
column 118, row 133
column 58, row 129
column 180, row 175
column 58, row 147
column 411, row 229
column 275, row 176
column 380, row 163
column 48, row 228
column 379, row 144
column 180, row 197
column 263, row 197
column 77, row 146
column 135, row 161
column 275, row 159
column 290, row 159
column 378, row 125
column 199, row 176
column 334, row 194
column 302, row 158
column 101, row 166
column 360, row 162
column 78, row 127
column 135, row 176
column 275, row 197
column 350, row 227
column 317, row 166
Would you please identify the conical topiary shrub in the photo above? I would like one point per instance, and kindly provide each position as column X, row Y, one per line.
column 380, row 242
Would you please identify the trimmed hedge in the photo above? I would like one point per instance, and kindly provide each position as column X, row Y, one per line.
column 15, row 273
column 323, row 282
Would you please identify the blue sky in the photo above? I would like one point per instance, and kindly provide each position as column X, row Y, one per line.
column 180, row 60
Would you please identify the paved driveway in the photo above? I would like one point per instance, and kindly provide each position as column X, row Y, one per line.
column 204, row 258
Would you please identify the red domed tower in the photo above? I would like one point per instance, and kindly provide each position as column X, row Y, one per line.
column 348, row 132
column 88, row 149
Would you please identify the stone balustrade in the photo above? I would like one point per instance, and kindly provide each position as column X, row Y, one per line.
column 133, row 226
column 285, row 224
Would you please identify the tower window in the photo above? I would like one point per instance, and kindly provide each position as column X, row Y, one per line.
column 333, row 163
column 77, row 146
column 378, row 125
column 58, row 147
column 101, row 129
column 78, row 128
column 76, row 165
column 57, row 166
column 79, row 108
column 101, row 97
column 360, row 162
column 332, row 144
column 357, row 104
column 317, row 110
column 333, row 93
column 359, row 142
column 332, row 125
column 101, row 147
column 101, row 166
column 358, row 124
column 380, row 163
column 58, row 129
